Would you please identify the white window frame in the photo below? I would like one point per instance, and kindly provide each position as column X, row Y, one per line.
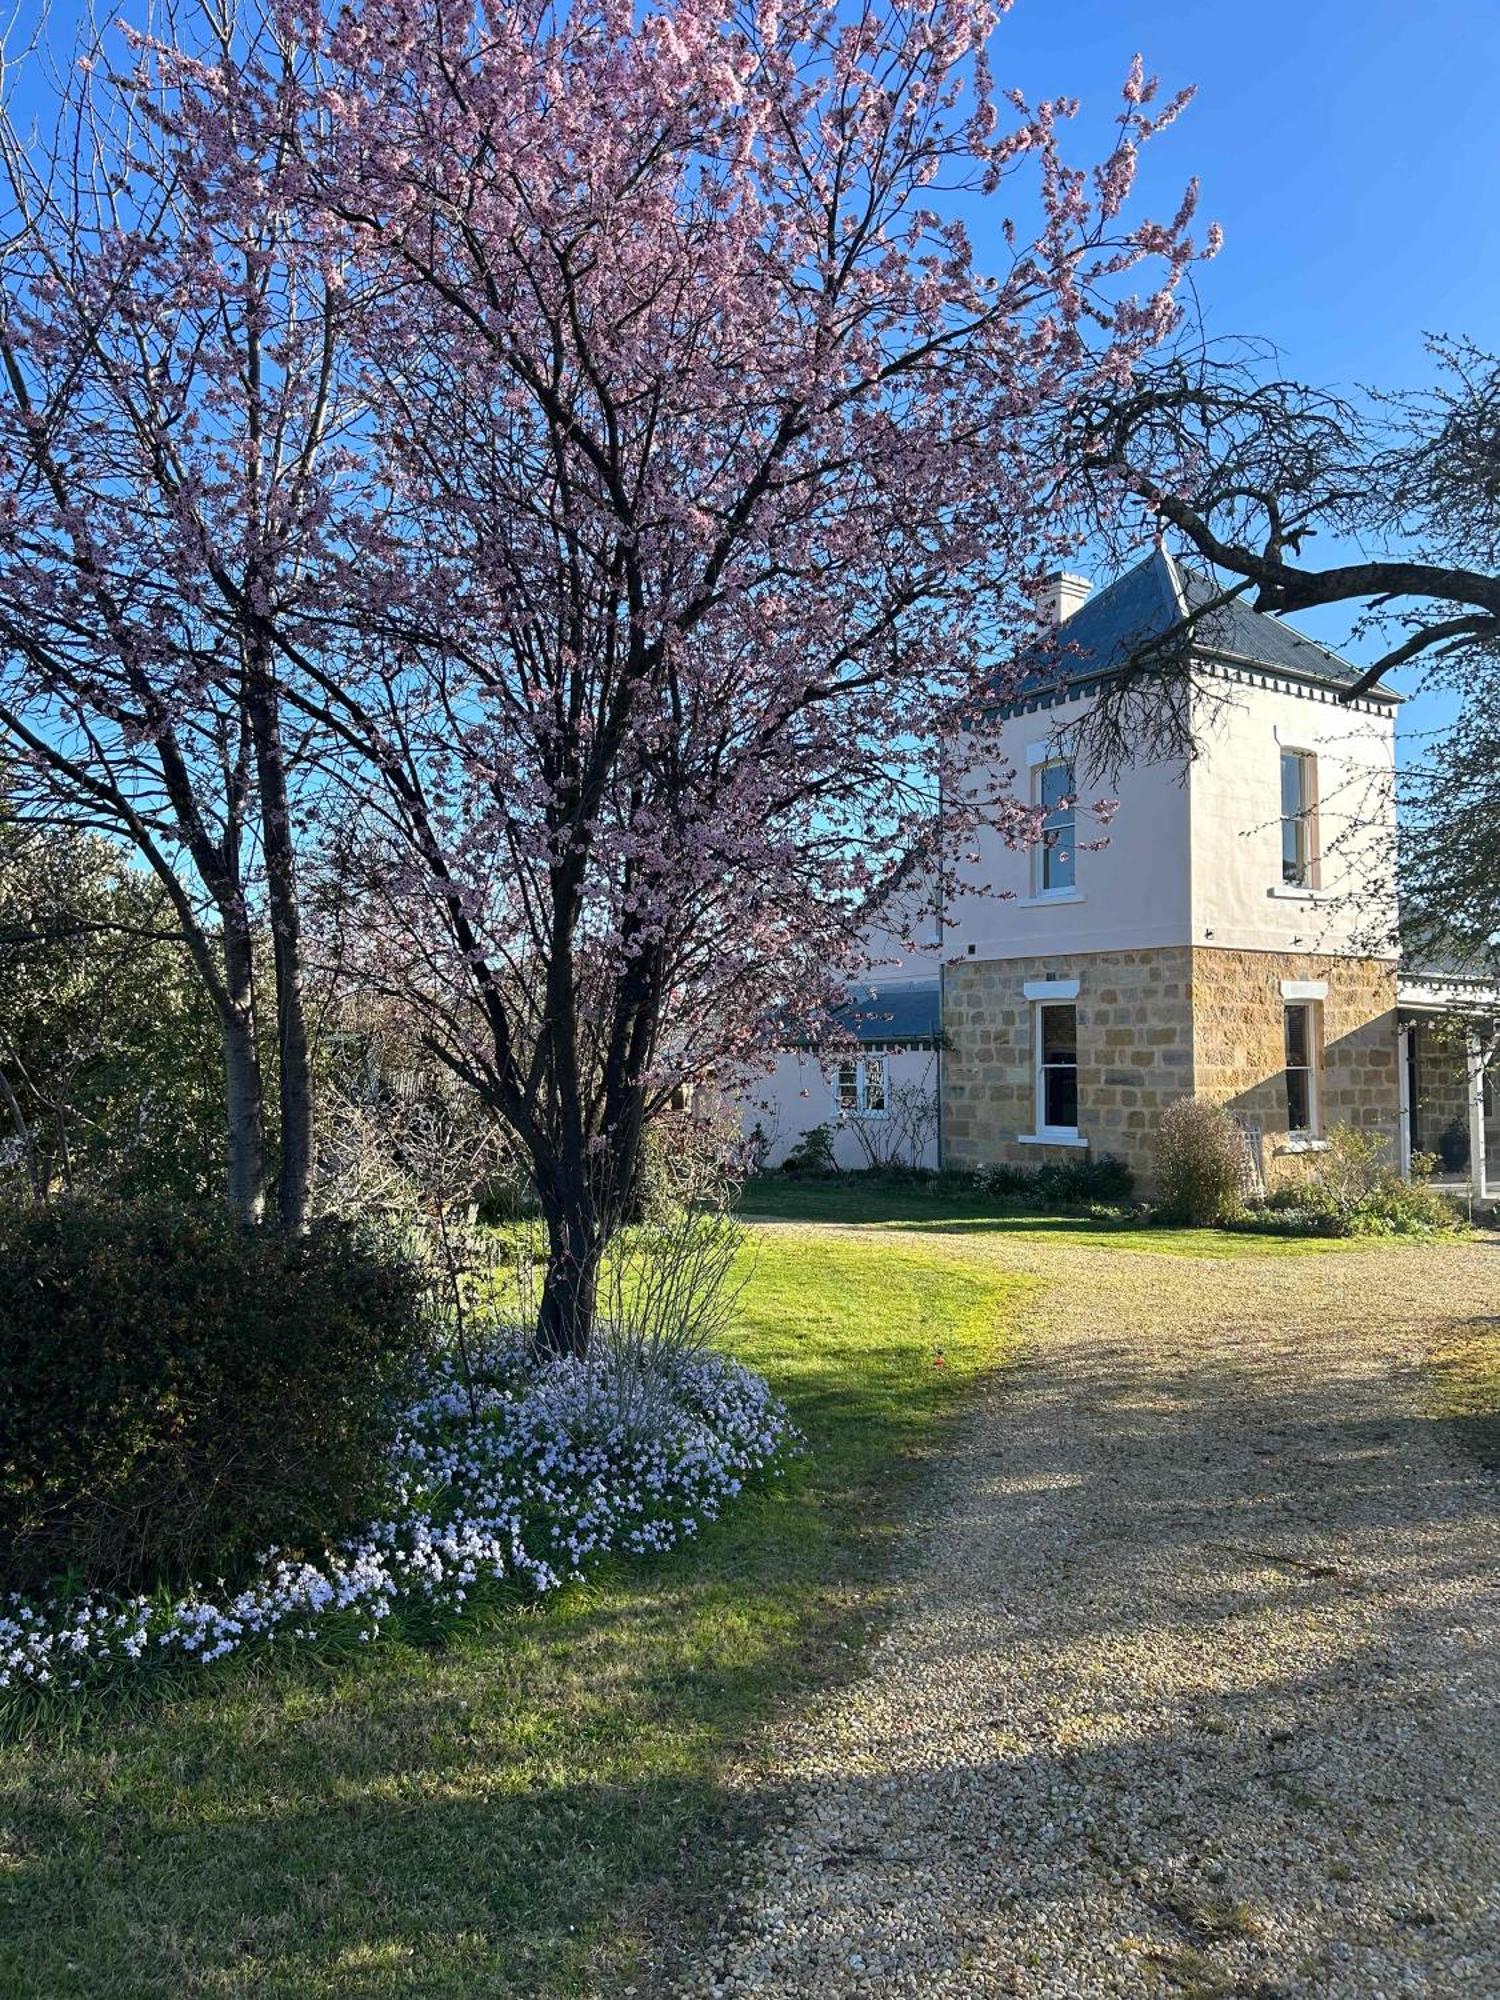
column 862, row 1062
column 1309, row 1008
column 1043, row 852
column 1063, row 1135
column 1308, row 877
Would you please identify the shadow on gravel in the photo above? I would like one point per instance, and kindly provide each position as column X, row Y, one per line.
column 1197, row 1695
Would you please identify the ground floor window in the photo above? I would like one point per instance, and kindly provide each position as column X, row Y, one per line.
column 1301, row 1082
column 859, row 1087
column 1056, row 1067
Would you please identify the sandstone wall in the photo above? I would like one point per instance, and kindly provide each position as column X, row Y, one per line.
column 1239, row 1054
column 1134, row 1053
column 1155, row 1025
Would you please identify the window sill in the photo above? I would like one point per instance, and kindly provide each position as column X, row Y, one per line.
column 1058, row 1138
column 1300, row 1142
column 1040, row 902
column 1286, row 892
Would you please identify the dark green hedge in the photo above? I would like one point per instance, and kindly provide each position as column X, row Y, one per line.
column 181, row 1391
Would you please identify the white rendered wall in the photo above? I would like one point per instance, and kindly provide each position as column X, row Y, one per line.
column 1130, row 891
column 798, row 1094
column 904, row 945
column 1238, row 899
column 1200, row 862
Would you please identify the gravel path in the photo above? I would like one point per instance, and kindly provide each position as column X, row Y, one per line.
column 1194, row 1690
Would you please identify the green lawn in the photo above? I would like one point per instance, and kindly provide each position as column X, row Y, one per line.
column 513, row 1814
column 1465, row 1388
column 870, row 1200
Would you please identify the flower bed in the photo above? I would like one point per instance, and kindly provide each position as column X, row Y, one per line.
column 515, row 1474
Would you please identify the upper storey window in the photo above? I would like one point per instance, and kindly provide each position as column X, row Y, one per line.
column 1053, row 862
column 1299, row 819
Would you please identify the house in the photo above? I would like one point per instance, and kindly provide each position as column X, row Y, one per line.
column 1231, row 934
column 878, row 1092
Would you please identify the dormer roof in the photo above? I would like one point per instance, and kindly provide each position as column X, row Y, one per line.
column 1150, row 606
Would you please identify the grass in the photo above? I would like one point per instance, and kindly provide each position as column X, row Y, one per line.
column 515, row 1813
column 1464, row 1388
column 872, row 1201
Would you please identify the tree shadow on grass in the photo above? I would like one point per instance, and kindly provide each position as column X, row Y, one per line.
column 504, row 1815
column 525, row 1811
column 517, row 1810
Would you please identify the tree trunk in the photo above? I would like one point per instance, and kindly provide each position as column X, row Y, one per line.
column 570, row 1288
column 24, row 1135
column 583, row 1205
column 294, row 1062
column 244, row 1092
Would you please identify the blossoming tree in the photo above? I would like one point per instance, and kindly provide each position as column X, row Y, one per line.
column 706, row 473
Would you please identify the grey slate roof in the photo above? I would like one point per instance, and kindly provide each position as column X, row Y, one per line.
column 910, row 1012
column 1142, row 608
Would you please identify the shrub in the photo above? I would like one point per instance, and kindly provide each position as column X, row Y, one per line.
column 1087, row 1180
column 812, row 1154
column 1355, row 1191
column 1202, row 1163
column 1453, row 1146
column 182, row 1391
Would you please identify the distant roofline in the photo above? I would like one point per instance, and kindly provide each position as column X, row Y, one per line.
column 1374, row 701
column 1077, row 685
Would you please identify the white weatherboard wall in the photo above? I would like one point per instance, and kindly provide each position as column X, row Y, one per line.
column 1131, row 892
column 798, row 1094
column 1238, row 899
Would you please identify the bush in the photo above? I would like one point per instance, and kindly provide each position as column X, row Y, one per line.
column 1453, row 1146
column 1202, row 1164
column 1104, row 1179
column 182, row 1392
column 1355, row 1191
column 812, row 1154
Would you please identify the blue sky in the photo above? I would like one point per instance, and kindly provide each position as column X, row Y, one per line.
column 1349, row 149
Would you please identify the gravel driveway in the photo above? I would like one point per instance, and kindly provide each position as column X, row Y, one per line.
column 1195, row 1685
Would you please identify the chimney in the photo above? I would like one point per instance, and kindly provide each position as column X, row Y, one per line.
column 1059, row 596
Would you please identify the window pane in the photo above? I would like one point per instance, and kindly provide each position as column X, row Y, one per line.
column 1295, row 861
column 1056, row 783
column 1057, row 859
column 1293, row 795
column 848, row 1087
column 1060, row 1097
column 1298, row 1040
column 875, row 1083
column 1296, row 824
column 1057, row 1029
column 1059, row 1034
column 1298, row 1100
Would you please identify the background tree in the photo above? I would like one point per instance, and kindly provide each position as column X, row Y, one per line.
column 108, row 1049
column 1250, row 468
column 170, row 412
column 712, row 472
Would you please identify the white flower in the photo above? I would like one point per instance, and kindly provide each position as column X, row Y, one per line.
column 551, row 1465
